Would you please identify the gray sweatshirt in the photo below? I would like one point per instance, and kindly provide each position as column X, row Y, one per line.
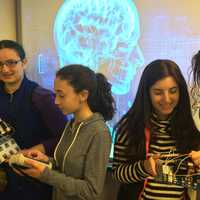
column 81, row 157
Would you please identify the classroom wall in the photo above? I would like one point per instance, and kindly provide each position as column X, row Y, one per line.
column 168, row 30
column 7, row 19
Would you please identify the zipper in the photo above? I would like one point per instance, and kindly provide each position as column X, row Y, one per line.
column 11, row 98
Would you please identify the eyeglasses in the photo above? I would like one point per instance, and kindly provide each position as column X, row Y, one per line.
column 9, row 63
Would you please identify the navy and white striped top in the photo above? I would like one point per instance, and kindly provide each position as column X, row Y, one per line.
column 126, row 172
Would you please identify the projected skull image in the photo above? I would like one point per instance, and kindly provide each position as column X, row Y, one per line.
column 102, row 35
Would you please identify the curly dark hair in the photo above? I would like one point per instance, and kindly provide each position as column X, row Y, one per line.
column 83, row 78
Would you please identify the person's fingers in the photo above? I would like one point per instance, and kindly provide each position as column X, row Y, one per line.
column 153, row 166
column 150, row 166
column 35, row 164
column 194, row 154
column 32, row 163
column 156, row 156
column 17, row 171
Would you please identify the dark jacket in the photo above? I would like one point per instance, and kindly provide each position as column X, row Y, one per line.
column 36, row 119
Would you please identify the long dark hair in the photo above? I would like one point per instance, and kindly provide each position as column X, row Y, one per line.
column 83, row 78
column 195, row 74
column 10, row 44
column 138, row 117
column 196, row 69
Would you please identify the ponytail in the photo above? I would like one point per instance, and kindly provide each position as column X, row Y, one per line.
column 103, row 101
column 81, row 78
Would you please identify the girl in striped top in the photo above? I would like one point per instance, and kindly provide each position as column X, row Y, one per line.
column 159, row 122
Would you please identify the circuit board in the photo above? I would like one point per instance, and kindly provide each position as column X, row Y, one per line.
column 8, row 145
column 180, row 171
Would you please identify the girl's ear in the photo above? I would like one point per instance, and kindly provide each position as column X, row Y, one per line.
column 84, row 95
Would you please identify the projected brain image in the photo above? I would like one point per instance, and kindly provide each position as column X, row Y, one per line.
column 103, row 35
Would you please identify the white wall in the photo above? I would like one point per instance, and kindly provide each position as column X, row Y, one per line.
column 37, row 18
column 7, row 20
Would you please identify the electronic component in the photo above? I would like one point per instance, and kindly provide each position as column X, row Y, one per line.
column 19, row 161
column 8, row 145
column 179, row 170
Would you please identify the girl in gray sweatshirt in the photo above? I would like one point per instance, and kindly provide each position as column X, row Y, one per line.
column 81, row 156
